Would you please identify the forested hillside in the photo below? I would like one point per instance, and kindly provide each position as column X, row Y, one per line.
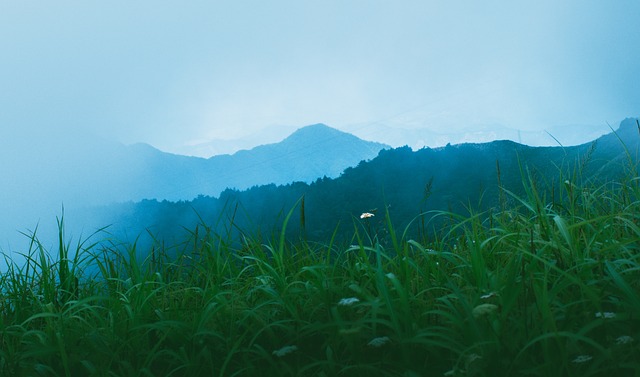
column 404, row 183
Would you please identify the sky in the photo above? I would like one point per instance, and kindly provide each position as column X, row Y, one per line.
column 178, row 74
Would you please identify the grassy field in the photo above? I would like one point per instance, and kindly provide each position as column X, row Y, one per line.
column 546, row 285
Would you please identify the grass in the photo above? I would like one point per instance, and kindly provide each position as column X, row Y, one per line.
column 540, row 287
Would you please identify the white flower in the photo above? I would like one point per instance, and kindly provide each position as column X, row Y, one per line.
column 366, row 215
column 285, row 351
column 625, row 339
column 608, row 315
column 484, row 309
column 488, row 295
column 379, row 342
column 348, row 301
column 473, row 357
column 582, row 359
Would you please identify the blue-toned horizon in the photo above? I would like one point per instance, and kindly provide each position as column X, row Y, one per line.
column 176, row 75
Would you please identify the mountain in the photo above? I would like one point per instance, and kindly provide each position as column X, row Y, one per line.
column 214, row 147
column 101, row 172
column 85, row 171
column 310, row 152
column 407, row 183
column 416, row 138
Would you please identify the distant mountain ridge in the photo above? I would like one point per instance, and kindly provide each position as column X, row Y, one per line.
column 408, row 183
column 220, row 146
column 85, row 171
column 416, row 138
column 120, row 173
column 309, row 153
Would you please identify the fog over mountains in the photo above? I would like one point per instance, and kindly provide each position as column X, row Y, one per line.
column 91, row 171
column 416, row 135
column 310, row 152
column 419, row 136
column 451, row 178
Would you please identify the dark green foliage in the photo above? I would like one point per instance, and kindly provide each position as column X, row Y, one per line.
column 535, row 289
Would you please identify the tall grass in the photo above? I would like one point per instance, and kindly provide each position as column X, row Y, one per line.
column 548, row 285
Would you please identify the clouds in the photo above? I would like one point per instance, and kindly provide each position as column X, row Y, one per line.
column 169, row 73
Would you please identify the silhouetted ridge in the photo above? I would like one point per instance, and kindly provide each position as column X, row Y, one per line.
column 629, row 126
column 140, row 171
column 627, row 132
column 409, row 183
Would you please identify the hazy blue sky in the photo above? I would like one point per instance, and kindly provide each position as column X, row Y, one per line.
column 176, row 73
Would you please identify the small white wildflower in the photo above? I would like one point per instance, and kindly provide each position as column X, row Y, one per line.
column 391, row 275
column 473, row 357
column 581, row 359
column 488, row 295
column 285, row 351
column 625, row 339
column 348, row 301
column 366, row 215
column 607, row 315
column 484, row 309
column 379, row 342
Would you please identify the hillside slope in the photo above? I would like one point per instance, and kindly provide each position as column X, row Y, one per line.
column 407, row 183
column 310, row 152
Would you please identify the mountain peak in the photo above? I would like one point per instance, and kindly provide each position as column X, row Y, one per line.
column 629, row 123
column 320, row 137
column 314, row 131
column 317, row 126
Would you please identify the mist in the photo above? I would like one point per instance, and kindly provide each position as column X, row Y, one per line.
column 83, row 81
column 47, row 175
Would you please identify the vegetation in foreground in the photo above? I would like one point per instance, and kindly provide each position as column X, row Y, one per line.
column 549, row 286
